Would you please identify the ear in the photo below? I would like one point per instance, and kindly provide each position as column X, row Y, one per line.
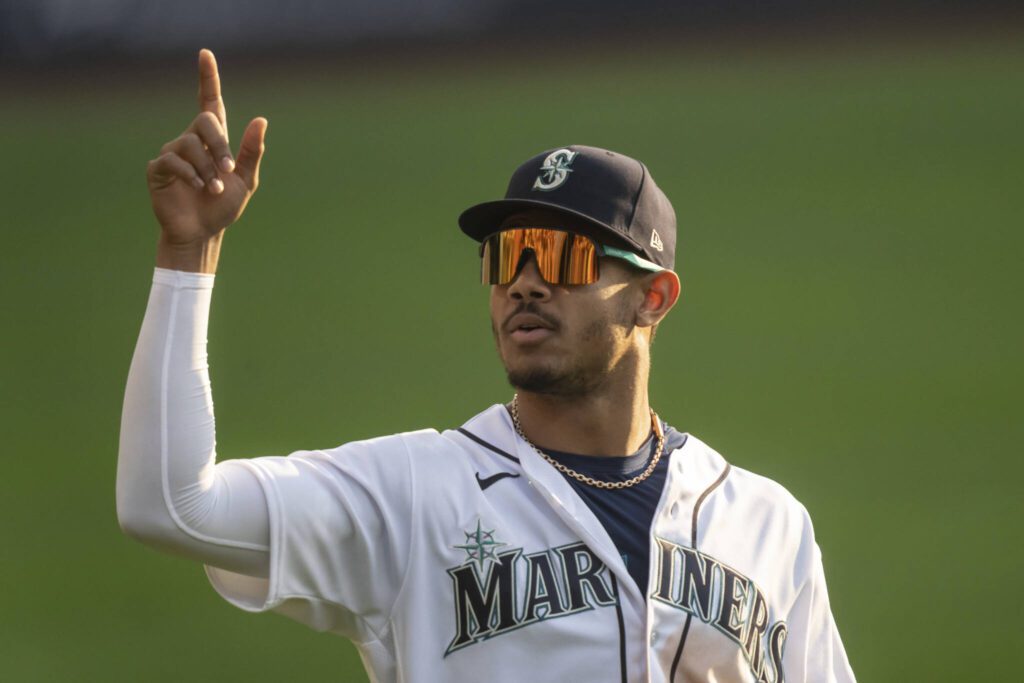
column 661, row 291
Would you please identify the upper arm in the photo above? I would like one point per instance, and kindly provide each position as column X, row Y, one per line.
column 341, row 531
column 813, row 650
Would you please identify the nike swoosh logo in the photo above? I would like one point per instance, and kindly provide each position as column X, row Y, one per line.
column 493, row 479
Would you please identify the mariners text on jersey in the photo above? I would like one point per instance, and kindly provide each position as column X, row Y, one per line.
column 719, row 595
column 558, row 582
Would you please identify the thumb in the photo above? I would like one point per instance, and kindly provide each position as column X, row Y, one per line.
column 250, row 152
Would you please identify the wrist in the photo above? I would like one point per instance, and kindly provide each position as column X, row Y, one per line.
column 200, row 256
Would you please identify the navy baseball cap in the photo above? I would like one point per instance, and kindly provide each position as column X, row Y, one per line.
column 612, row 193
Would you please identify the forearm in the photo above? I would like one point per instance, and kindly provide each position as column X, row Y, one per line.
column 170, row 492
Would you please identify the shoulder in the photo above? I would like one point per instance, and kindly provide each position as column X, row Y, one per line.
column 748, row 513
column 425, row 454
column 761, row 500
column 483, row 437
column 752, row 485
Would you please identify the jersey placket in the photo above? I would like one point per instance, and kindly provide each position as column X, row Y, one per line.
column 553, row 487
column 690, row 480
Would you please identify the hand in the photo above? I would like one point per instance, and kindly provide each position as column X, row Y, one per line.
column 196, row 186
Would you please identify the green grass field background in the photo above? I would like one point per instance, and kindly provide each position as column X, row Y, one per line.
column 850, row 243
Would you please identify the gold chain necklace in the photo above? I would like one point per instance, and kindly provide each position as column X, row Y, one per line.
column 655, row 424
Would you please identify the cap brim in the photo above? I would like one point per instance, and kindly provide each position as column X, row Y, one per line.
column 485, row 219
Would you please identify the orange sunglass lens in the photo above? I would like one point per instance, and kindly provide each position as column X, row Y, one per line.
column 561, row 257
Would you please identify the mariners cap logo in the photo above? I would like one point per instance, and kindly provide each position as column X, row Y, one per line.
column 555, row 171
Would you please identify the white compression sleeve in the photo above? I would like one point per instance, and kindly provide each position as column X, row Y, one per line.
column 171, row 493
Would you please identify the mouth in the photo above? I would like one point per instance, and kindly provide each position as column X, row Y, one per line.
column 529, row 328
column 530, row 335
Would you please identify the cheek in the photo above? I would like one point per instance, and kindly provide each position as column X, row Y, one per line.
column 615, row 312
column 498, row 310
column 606, row 327
column 593, row 329
column 494, row 304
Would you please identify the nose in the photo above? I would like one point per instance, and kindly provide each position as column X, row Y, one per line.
column 528, row 284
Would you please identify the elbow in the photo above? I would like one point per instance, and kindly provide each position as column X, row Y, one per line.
column 133, row 526
column 148, row 525
column 132, row 522
column 136, row 522
column 143, row 514
column 140, row 511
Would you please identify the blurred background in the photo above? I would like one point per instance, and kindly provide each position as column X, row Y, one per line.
column 848, row 184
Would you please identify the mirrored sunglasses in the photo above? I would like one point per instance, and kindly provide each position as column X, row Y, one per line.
column 562, row 257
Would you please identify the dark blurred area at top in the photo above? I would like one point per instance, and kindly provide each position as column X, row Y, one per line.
column 69, row 33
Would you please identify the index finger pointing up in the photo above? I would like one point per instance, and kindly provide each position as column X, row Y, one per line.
column 209, row 88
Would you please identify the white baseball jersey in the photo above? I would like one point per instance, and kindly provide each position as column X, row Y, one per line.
column 448, row 557
column 463, row 555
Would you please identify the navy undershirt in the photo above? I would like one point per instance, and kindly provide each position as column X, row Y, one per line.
column 625, row 513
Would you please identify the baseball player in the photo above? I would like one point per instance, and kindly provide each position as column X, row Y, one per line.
column 570, row 534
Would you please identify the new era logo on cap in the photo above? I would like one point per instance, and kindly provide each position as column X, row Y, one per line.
column 613, row 194
column 656, row 241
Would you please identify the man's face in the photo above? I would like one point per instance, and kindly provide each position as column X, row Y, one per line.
column 563, row 339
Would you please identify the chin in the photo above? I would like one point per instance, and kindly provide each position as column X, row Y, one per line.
column 538, row 379
column 544, row 370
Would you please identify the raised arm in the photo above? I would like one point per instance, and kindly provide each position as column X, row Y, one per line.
column 171, row 494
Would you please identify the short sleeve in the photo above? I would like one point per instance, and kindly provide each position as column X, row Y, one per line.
column 340, row 536
column 813, row 650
